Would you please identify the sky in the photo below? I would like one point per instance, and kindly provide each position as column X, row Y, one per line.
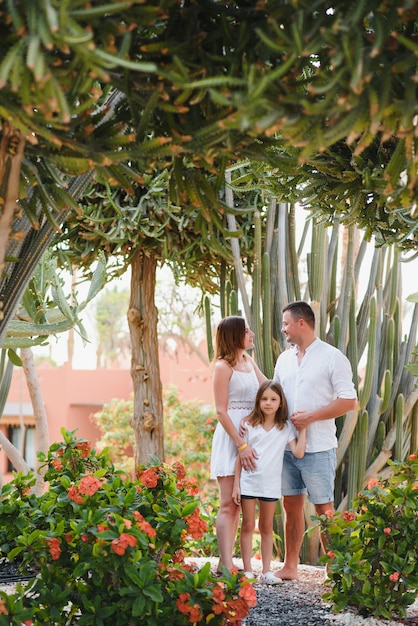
column 85, row 353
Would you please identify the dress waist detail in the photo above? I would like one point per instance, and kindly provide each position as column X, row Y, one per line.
column 241, row 404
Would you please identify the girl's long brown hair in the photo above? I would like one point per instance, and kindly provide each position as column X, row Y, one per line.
column 256, row 416
column 230, row 335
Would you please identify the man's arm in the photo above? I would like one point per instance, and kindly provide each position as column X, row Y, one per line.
column 336, row 408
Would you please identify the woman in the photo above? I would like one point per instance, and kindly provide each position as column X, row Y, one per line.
column 236, row 379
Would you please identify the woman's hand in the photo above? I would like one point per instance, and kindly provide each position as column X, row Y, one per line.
column 248, row 457
column 243, row 428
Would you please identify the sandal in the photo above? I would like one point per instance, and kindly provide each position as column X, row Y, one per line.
column 270, row 579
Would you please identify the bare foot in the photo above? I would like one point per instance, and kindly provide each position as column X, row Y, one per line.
column 286, row 573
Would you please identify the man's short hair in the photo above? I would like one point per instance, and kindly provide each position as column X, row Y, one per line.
column 301, row 310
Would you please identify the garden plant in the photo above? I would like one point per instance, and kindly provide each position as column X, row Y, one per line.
column 110, row 550
column 372, row 550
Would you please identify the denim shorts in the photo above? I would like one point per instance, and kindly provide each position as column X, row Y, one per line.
column 313, row 474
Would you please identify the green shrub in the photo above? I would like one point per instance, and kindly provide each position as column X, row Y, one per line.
column 372, row 551
column 188, row 432
column 110, row 550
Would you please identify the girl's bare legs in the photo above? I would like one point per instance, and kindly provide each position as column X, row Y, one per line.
column 226, row 522
column 247, row 531
column 265, row 526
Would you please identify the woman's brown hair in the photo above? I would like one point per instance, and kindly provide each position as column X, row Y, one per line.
column 230, row 335
column 256, row 416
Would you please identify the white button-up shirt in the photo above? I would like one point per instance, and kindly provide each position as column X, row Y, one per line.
column 323, row 375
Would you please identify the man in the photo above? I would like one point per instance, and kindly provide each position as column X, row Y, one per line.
column 317, row 380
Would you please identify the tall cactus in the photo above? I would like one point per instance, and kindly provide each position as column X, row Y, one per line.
column 367, row 327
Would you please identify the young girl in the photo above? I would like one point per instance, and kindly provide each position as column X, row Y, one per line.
column 268, row 431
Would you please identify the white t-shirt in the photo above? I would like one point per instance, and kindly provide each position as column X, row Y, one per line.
column 323, row 375
column 266, row 480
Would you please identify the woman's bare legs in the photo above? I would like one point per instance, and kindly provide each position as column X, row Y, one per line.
column 226, row 522
column 265, row 526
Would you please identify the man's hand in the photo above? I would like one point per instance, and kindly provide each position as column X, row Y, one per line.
column 301, row 419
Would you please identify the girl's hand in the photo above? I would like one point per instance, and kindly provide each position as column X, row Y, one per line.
column 236, row 495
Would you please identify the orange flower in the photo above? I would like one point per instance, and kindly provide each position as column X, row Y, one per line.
column 196, row 526
column 179, row 469
column 330, row 554
column 329, row 513
column 149, row 478
column 348, row 516
column 218, row 593
column 102, row 527
column 118, row 547
column 175, row 574
column 57, row 464
column 387, row 531
column 85, row 448
column 247, row 592
column 236, row 610
column 89, row 485
column 372, row 483
column 179, row 556
column 54, row 547
column 394, row 577
column 147, row 528
column 195, row 614
column 412, row 457
column 182, row 603
column 74, row 495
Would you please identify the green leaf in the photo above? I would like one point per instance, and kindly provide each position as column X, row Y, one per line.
column 14, row 358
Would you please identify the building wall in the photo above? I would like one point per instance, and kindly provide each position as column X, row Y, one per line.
column 72, row 396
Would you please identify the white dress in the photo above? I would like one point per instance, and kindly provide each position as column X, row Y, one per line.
column 266, row 480
column 242, row 390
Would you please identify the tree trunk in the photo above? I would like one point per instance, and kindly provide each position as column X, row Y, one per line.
column 41, row 420
column 12, row 146
column 147, row 419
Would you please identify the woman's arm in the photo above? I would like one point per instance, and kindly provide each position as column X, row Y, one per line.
column 236, row 491
column 298, row 446
column 260, row 376
column 221, row 376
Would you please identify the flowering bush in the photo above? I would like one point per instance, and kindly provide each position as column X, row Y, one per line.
column 109, row 550
column 372, row 552
column 188, row 432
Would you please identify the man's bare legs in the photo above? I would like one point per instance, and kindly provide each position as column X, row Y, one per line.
column 294, row 527
column 226, row 522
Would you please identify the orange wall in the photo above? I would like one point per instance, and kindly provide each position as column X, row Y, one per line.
column 71, row 396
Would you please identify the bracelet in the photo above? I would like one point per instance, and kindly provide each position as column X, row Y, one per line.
column 241, row 448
